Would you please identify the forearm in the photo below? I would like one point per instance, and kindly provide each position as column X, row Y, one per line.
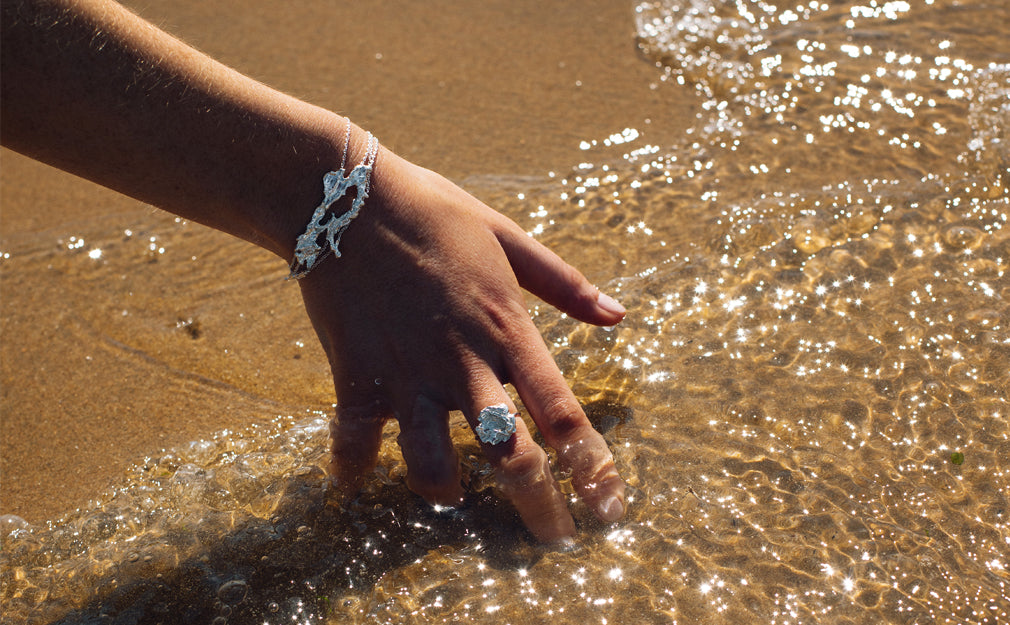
column 93, row 89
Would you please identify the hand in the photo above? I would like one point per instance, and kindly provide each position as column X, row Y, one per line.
column 426, row 299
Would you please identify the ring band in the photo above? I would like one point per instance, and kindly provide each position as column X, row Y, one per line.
column 495, row 424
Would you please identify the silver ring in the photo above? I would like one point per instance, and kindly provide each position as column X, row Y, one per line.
column 495, row 424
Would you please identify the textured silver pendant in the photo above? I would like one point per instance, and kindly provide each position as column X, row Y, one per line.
column 322, row 235
column 308, row 251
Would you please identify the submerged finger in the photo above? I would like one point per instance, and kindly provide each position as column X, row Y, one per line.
column 432, row 464
column 522, row 470
column 564, row 426
column 355, row 436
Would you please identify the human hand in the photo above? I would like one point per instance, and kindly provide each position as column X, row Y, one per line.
column 426, row 297
column 423, row 314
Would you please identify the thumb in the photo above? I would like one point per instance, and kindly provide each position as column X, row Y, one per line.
column 544, row 274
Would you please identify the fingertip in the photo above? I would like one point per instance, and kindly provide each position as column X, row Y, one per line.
column 355, row 437
column 604, row 494
column 344, row 486
column 436, row 479
column 442, row 493
column 558, row 531
column 594, row 474
column 611, row 307
column 611, row 510
column 433, row 470
column 346, row 479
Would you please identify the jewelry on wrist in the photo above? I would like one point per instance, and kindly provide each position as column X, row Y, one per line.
column 322, row 235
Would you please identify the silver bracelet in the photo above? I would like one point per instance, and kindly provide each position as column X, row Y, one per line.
column 322, row 235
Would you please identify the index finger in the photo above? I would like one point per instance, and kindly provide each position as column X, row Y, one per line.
column 564, row 426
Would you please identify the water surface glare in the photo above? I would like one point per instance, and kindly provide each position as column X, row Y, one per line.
column 809, row 397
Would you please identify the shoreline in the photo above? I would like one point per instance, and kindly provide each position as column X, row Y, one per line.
column 501, row 88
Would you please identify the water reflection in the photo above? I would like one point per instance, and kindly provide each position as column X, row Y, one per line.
column 808, row 398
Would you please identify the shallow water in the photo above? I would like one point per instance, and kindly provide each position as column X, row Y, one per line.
column 809, row 397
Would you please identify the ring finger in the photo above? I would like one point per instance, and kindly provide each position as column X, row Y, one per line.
column 522, row 470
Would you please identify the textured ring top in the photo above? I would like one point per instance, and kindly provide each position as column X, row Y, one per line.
column 495, row 424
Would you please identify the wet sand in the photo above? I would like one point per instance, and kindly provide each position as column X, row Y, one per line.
column 503, row 88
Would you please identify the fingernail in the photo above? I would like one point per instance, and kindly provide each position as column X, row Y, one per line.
column 611, row 510
column 610, row 304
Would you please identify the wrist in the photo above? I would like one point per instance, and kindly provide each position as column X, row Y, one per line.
column 296, row 187
column 345, row 191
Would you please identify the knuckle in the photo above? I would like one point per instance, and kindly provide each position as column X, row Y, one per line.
column 522, row 471
column 583, row 295
column 564, row 418
column 592, row 466
column 362, row 413
column 435, row 489
column 508, row 317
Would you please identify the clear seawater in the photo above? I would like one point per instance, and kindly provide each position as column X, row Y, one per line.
column 809, row 397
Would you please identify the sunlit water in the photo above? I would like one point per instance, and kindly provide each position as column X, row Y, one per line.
column 809, row 397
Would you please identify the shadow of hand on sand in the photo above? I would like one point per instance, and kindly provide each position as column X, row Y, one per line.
column 308, row 554
column 312, row 554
